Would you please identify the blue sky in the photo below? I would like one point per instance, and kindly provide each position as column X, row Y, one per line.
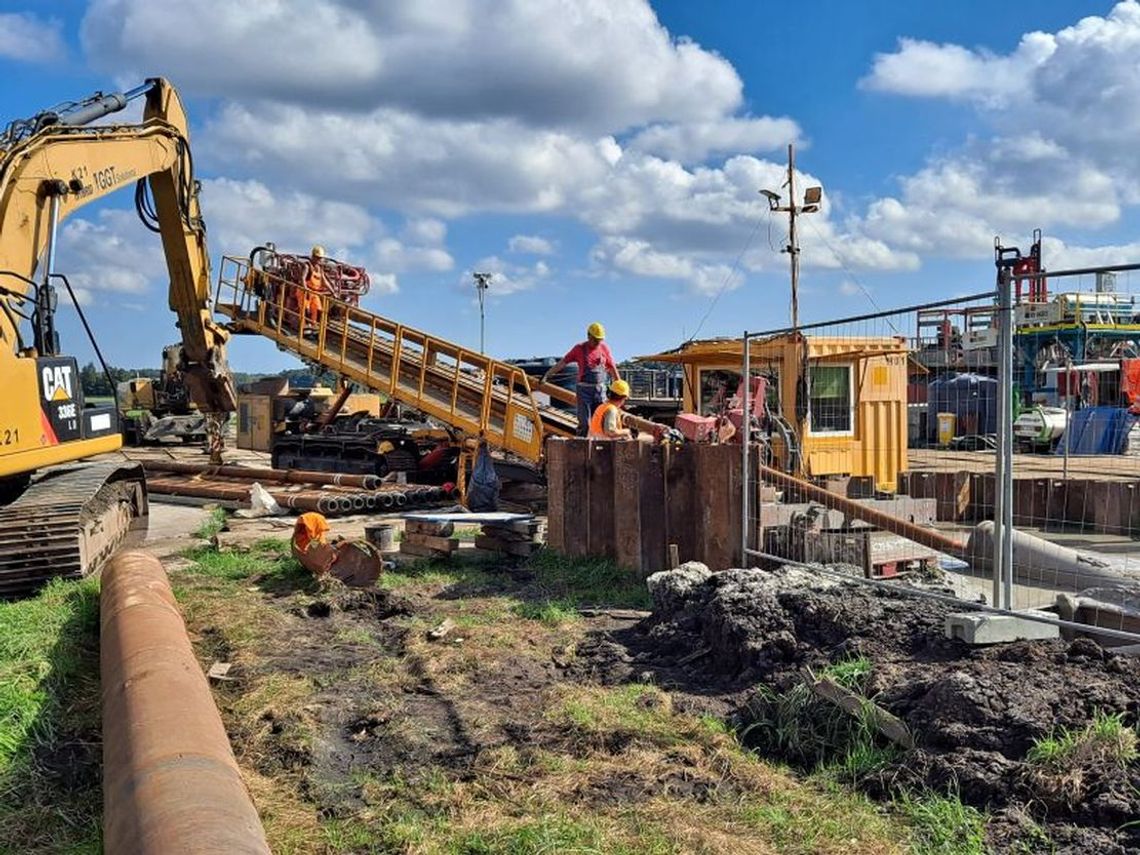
column 602, row 157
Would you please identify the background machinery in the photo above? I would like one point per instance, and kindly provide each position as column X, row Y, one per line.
column 152, row 410
column 68, row 520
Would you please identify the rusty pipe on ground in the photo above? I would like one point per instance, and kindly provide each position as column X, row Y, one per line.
column 919, row 534
column 170, row 781
column 251, row 473
column 304, row 501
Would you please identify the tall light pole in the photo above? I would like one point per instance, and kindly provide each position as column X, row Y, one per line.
column 482, row 283
column 812, row 198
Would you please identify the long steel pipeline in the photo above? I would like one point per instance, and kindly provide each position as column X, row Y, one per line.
column 170, row 781
column 285, row 476
column 927, row 537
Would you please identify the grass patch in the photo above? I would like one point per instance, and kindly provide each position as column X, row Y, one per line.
column 466, row 572
column 50, row 799
column 215, row 521
column 804, row 729
column 943, row 825
column 557, row 833
column 268, row 562
column 550, row 612
column 1063, row 763
column 587, row 581
column 1104, row 740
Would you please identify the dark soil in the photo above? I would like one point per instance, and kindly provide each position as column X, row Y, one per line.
column 974, row 712
column 406, row 728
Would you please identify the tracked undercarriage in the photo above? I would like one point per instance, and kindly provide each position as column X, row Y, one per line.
column 69, row 522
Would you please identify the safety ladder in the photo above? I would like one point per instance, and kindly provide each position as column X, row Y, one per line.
column 472, row 393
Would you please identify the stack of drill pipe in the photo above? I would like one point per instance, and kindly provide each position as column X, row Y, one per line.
column 284, row 476
column 331, row 501
column 329, row 504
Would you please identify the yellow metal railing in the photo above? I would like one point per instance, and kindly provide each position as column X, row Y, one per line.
column 475, row 394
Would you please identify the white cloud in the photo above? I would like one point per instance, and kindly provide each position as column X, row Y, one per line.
column 383, row 283
column 1064, row 107
column 530, row 245
column 411, row 112
column 29, row 38
column 421, row 248
column 416, row 164
column 244, row 214
column 110, row 257
column 425, row 230
column 641, row 259
column 693, row 142
column 847, row 288
column 587, row 64
column 925, row 69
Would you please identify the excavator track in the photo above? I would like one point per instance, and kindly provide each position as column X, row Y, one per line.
column 68, row 523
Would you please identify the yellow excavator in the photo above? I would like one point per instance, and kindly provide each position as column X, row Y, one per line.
column 58, row 517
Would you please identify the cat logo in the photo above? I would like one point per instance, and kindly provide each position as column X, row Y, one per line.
column 57, row 382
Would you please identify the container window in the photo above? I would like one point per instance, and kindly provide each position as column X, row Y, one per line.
column 831, row 407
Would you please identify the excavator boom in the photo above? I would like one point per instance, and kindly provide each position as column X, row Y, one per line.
column 52, row 164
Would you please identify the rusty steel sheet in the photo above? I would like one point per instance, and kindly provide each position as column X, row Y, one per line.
column 170, row 781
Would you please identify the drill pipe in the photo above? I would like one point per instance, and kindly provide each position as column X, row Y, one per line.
column 300, row 501
column 925, row 536
column 170, row 782
column 284, row 476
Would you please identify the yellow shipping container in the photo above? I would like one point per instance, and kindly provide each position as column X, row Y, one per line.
column 844, row 398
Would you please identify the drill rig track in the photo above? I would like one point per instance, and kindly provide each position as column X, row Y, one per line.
column 68, row 523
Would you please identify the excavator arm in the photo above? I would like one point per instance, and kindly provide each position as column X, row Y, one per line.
column 56, row 162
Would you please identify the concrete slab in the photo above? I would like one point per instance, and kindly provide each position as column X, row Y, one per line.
column 982, row 628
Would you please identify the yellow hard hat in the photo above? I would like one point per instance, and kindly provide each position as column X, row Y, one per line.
column 318, row 251
column 620, row 388
column 596, row 330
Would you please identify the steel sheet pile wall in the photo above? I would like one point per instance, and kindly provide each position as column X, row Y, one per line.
column 1111, row 507
column 629, row 501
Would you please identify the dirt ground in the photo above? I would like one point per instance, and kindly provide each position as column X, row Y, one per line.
column 975, row 713
column 359, row 732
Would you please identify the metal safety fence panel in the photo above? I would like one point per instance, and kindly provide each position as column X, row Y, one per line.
column 983, row 449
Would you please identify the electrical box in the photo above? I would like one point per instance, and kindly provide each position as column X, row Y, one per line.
column 255, row 422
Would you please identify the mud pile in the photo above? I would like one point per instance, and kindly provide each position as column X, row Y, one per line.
column 975, row 713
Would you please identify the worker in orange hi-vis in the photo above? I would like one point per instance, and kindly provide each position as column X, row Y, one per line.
column 310, row 528
column 315, row 286
column 607, row 422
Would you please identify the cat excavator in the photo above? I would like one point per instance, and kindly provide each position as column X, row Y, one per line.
column 60, row 517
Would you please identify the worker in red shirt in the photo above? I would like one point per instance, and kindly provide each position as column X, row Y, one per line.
column 595, row 368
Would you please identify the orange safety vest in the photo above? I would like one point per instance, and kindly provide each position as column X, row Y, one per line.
column 598, row 420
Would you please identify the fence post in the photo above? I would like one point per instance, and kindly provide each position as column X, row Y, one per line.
column 1003, row 486
column 745, row 441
